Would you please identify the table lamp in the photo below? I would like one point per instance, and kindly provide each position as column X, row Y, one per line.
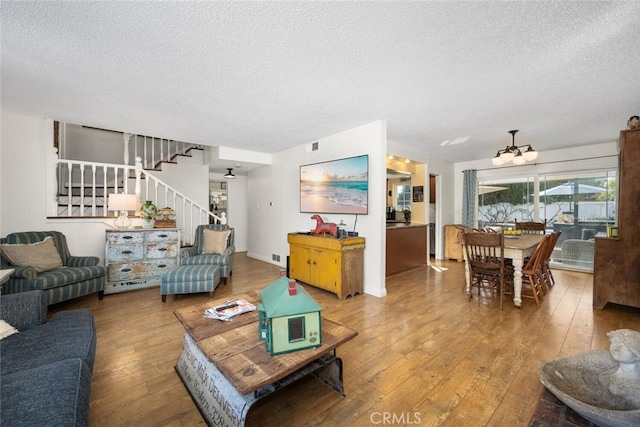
column 123, row 203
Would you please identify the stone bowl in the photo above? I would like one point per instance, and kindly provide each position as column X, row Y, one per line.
column 575, row 381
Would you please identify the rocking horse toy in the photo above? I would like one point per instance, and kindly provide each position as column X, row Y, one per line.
column 324, row 227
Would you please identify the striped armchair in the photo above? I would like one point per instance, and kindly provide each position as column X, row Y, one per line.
column 78, row 276
column 194, row 255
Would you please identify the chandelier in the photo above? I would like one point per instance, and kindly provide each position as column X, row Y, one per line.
column 514, row 153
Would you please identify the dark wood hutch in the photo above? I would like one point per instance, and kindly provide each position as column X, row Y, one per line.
column 616, row 272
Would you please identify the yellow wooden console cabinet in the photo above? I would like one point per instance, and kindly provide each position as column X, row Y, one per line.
column 336, row 265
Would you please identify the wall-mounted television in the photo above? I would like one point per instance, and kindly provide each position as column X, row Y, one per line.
column 335, row 187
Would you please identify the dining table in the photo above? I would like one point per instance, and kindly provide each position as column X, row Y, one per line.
column 517, row 248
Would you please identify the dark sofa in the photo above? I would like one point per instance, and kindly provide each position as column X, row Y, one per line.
column 46, row 367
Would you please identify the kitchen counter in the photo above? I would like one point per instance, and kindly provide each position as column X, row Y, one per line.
column 406, row 246
column 402, row 224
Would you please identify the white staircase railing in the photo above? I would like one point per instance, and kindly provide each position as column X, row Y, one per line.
column 154, row 151
column 83, row 189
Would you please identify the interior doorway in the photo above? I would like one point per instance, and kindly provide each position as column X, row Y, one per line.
column 218, row 198
column 433, row 226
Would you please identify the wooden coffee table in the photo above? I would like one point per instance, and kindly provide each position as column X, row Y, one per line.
column 226, row 367
column 4, row 277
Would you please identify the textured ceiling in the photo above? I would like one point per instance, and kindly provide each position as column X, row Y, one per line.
column 266, row 76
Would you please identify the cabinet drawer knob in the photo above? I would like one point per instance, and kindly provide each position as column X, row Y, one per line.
column 125, row 270
column 308, row 261
column 127, row 237
column 162, row 265
column 163, row 235
column 126, row 252
column 162, row 249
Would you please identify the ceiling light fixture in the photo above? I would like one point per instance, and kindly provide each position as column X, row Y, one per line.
column 514, row 153
column 229, row 174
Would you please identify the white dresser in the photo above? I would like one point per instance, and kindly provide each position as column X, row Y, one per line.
column 137, row 258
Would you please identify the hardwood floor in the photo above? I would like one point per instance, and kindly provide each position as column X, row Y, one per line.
column 424, row 355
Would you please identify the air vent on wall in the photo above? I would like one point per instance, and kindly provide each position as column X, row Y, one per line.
column 312, row 146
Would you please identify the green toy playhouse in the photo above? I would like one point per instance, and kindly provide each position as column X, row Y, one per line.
column 289, row 318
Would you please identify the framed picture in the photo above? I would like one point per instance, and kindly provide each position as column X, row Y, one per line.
column 223, row 185
column 418, row 193
column 335, row 187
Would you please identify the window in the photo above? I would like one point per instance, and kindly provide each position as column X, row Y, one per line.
column 580, row 204
column 296, row 329
column 264, row 324
column 403, row 197
column 501, row 202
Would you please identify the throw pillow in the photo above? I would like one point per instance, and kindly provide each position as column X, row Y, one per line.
column 42, row 256
column 215, row 242
column 6, row 329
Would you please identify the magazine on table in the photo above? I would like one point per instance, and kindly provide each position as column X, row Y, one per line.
column 229, row 310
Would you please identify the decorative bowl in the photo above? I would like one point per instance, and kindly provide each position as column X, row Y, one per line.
column 575, row 381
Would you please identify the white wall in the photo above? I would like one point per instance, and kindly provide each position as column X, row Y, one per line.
column 273, row 199
column 188, row 176
column 583, row 158
column 26, row 142
column 23, row 163
column 91, row 145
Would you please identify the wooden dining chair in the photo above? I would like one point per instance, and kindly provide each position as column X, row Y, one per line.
column 531, row 227
column 544, row 281
column 485, row 258
column 546, row 269
column 532, row 276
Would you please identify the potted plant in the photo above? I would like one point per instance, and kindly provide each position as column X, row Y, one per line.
column 407, row 213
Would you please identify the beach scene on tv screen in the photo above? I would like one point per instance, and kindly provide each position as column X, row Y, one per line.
column 337, row 186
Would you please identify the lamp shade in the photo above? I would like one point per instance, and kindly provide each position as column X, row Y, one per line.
column 530, row 154
column 507, row 156
column 518, row 159
column 122, row 202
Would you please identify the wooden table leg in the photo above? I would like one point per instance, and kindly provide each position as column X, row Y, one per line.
column 517, row 282
column 467, row 276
